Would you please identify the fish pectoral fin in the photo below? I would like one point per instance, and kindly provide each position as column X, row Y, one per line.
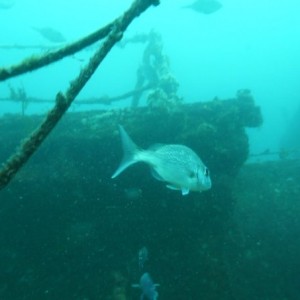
column 156, row 175
column 172, row 187
column 184, row 191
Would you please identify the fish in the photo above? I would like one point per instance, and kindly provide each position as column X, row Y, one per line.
column 148, row 287
column 205, row 6
column 6, row 4
column 177, row 165
column 143, row 257
column 50, row 34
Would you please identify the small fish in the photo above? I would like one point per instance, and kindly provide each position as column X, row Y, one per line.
column 177, row 165
column 6, row 4
column 143, row 257
column 50, row 34
column 205, row 6
column 148, row 287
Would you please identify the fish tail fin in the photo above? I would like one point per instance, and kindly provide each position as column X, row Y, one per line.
column 130, row 150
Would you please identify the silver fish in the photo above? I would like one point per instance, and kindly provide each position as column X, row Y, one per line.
column 177, row 165
column 6, row 4
column 148, row 287
column 50, row 34
column 205, row 6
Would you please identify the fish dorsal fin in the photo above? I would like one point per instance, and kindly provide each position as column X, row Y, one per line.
column 156, row 175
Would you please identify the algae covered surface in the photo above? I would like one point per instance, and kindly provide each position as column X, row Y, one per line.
column 68, row 231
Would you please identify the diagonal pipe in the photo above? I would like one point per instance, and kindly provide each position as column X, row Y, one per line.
column 64, row 100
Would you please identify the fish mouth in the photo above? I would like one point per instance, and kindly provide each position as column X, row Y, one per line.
column 205, row 184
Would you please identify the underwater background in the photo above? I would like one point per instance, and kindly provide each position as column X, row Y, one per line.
column 217, row 76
